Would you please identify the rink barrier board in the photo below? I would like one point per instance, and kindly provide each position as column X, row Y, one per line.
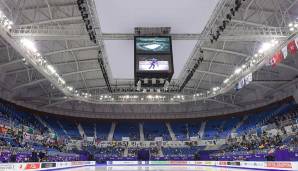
column 274, row 165
column 43, row 165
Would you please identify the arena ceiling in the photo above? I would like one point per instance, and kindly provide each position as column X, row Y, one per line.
column 59, row 34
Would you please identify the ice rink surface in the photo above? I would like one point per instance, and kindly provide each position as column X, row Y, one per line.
column 154, row 168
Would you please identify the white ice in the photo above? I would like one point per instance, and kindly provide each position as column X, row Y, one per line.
column 154, row 168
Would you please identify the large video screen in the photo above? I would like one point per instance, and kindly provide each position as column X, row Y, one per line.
column 153, row 45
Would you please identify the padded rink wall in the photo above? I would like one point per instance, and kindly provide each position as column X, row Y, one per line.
column 43, row 165
column 231, row 164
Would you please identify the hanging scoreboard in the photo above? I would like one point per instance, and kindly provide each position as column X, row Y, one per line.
column 153, row 59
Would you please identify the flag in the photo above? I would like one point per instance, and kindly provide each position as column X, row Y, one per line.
column 284, row 51
column 277, row 58
column 292, row 47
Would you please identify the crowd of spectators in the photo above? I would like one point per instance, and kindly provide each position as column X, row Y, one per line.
column 265, row 141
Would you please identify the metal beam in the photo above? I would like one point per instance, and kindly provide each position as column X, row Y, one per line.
column 222, row 102
column 54, row 64
column 225, row 51
column 78, row 18
column 56, row 103
column 71, row 50
column 261, row 85
column 52, row 53
column 63, row 75
column 250, row 23
column 213, row 73
column 129, row 36
column 288, row 67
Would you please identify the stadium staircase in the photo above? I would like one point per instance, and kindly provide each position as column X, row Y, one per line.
column 172, row 134
column 59, row 123
column 202, row 129
column 142, row 138
column 94, row 127
column 125, row 152
column 234, row 130
column 81, row 130
column 111, row 133
column 160, row 152
column 44, row 124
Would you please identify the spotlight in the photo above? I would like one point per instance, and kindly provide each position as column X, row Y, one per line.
column 237, row 7
column 229, row 17
column 232, row 11
column 82, row 9
column 221, row 28
column 215, row 37
column 80, row 2
column 237, row 2
column 85, row 16
column 224, row 23
column 217, row 33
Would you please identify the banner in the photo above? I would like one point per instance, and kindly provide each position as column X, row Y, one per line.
column 244, row 81
column 193, row 138
column 158, row 139
column 90, row 139
column 125, row 138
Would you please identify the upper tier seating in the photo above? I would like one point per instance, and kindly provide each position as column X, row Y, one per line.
column 102, row 130
column 127, row 129
column 89, row 128
column 155, row 129
column 181, row 130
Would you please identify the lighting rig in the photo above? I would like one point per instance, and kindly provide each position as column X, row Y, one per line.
column 192, row 70
column 214, row 36
column 293, row 26
column 32, row 56
column 86, row 14
column 5, row 22
column 104, row 72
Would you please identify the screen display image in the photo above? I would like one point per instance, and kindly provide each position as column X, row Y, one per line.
column 153, row 45
column 154, row 63
column 153, row 66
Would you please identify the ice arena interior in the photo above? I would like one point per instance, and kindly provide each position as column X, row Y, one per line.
column 159, row 85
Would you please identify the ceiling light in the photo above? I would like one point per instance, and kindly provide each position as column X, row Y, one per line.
column 70, row 88
column 265, row 46
column 274, row 42
column 226, row 81
column 29, row 44
column 237, row 70
column 215, row 88
column 291, row 25
column 51, row 69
